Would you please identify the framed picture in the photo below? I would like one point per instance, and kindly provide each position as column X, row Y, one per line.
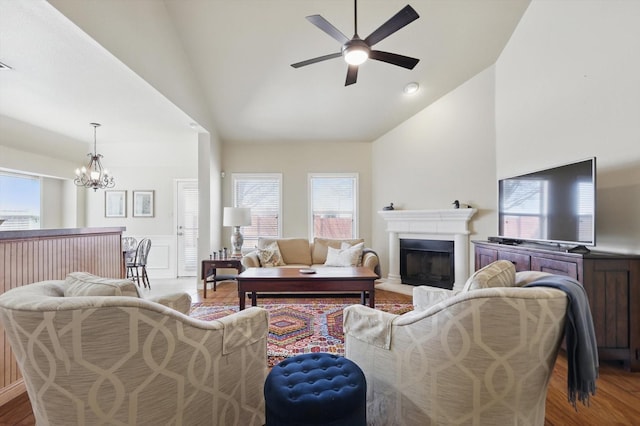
column 115, row 204
column 142, row 203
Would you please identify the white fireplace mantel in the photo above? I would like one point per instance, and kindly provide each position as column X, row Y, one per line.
column 443, row 225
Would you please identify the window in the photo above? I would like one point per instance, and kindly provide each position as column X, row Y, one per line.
column 333, row 199
column 19, row 201
column 263, row 194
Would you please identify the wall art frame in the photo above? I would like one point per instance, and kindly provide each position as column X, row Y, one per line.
column 115, row 203
column 143, row 203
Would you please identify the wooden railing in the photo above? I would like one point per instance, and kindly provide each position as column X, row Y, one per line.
column 50, row 254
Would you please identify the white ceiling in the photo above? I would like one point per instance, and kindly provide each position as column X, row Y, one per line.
column 240, row 53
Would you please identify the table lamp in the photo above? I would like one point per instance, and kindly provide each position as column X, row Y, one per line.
column 236, row 217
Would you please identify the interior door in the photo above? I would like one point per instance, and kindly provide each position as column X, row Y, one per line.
column 187, row 227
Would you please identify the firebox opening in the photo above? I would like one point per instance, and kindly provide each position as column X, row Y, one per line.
column 427, row 262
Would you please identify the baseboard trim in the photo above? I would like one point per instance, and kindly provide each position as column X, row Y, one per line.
column 12, row 391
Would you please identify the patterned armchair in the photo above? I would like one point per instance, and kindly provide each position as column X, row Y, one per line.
column 109, row 359
column 480, row 357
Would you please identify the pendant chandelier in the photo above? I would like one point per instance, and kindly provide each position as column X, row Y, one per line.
column 93, row 175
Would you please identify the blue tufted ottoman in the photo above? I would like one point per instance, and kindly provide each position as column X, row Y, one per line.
column 316, row 389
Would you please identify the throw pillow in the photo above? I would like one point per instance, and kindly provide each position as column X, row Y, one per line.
column 346, row 257
column 500, row 273
column 319, row 252
column 270, row 255
column 359, row 246
column 86, row 284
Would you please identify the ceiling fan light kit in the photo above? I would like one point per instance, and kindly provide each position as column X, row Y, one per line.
column 356, row 51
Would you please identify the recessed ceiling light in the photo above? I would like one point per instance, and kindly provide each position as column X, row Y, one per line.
column 411, row 88
column 193, row 125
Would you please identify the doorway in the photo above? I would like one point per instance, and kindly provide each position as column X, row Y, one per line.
column 187, row 227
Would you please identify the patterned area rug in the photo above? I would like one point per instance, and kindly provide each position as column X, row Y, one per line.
column 299, row 328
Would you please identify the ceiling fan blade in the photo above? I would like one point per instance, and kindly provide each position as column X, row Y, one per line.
column 352, row 75
column 326, row 26
column 318, row 59
column 394, row 59
column 406, row 16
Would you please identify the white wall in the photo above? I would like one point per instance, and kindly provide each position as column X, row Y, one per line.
column 567, row 88
column 58, row 200
column 295, row 161
column 444, row 153
column 29, row 162
column 143, row 167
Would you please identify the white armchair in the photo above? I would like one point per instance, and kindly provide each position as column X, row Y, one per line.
column 477, row 357
column 120, row 359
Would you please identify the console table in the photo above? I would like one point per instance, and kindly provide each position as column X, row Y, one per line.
column 612, row 283
column 209, row 272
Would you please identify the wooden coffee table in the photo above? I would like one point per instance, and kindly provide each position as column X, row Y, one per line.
column 358, row 278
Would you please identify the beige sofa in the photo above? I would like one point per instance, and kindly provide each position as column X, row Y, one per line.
column 302, row 253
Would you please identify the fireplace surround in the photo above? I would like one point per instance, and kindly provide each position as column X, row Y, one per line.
column 436, row 225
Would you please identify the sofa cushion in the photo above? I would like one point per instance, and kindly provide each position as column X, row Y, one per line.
column 270, row 255
column 86, row 284
column 320, row 246
column 344, row 257
column 293, row 250
column 500, row 273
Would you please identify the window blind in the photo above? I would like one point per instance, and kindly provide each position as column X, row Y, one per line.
column 333, row 200
column 262, row 194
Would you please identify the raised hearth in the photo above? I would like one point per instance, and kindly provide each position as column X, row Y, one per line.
column 438, row 225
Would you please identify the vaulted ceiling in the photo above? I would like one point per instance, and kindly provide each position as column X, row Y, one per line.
column 239, row 53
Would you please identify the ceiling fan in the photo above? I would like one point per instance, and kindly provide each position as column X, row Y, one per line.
column 356, row 50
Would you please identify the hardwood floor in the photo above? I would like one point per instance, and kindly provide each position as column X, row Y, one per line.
column 617, row 399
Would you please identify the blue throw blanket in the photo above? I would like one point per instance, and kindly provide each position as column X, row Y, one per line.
column 582, row 349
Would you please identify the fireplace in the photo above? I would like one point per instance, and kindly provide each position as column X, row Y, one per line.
column 427, row 262
column 450, row 226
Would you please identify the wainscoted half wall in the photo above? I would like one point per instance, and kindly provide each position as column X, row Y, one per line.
column 441, row 225
column 162, row 262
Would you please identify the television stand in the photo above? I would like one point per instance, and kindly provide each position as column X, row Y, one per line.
column 579, row 249
column 611, row 280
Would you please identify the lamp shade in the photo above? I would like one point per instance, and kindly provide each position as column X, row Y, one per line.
column 236, row 216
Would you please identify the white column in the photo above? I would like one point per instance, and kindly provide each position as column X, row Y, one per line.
column 394, row 258
column 461, row 256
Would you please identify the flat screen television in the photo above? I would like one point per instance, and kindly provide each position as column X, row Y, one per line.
column 554, row 205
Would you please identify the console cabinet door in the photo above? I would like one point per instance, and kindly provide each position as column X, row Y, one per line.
column 552, row 266
column 522, row 262
column 485, row 256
